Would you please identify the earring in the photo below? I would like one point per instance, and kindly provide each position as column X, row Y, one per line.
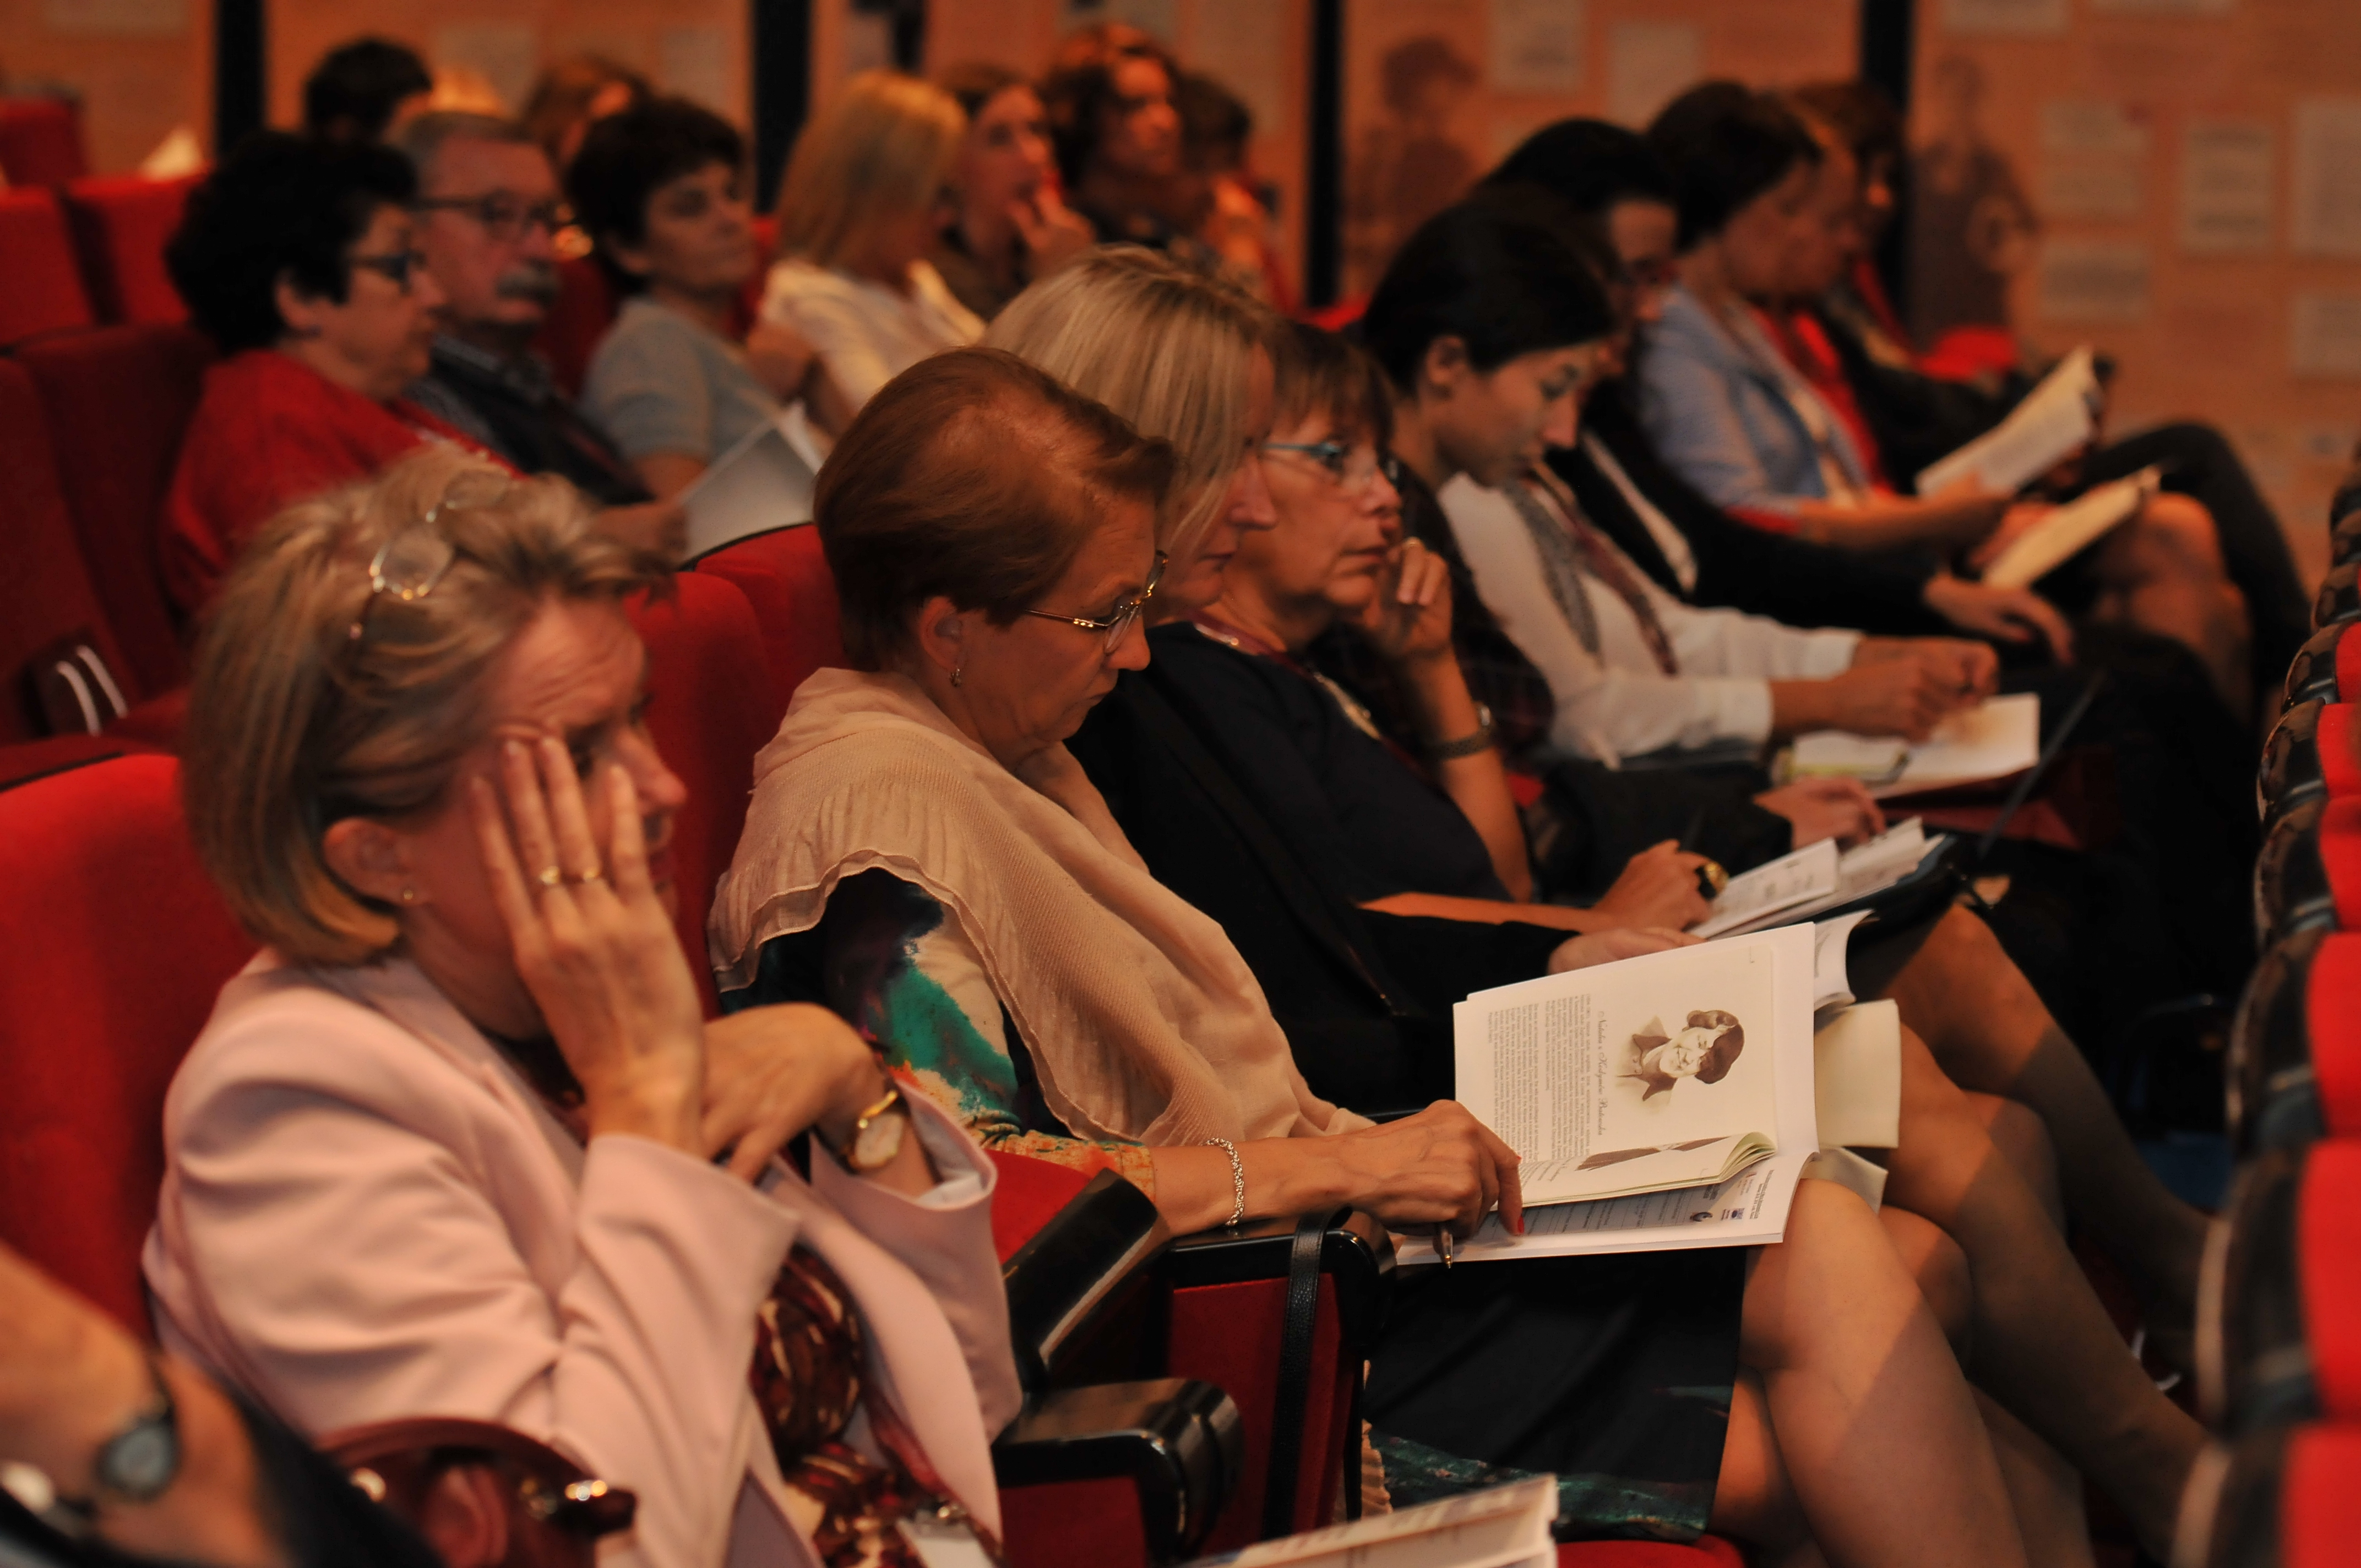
column 409, row 895
column 959, row 676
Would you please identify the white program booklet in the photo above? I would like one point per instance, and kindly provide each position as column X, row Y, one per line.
column 2056, row 419
column 1999, row 737
column 2050, row 542
column 1817, row 877
column 1500, row 1527
column 764, row 482
column 1661, row 1101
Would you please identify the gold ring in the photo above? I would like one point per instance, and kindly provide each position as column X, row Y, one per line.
column 550, row 876
column 1715, row 876
column 593, row 874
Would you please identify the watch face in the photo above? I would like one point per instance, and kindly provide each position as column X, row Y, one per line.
column 142, row 1461
column 881, row 1140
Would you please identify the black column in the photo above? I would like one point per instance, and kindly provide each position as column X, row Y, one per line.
column 1324, row 175
column 241, row 88
column 778, row 52
column 1888, row 58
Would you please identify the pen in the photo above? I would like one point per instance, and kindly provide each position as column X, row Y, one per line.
column 1442, row 1243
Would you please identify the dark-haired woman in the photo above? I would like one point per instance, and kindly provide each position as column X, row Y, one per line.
column 1115, row 125
column 295, row 257
column 1012, row 226
column 662, row 190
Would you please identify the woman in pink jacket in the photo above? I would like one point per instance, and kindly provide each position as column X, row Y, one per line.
column 458, row 1142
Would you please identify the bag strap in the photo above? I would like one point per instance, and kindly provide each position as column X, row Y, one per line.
column 1294, row 1375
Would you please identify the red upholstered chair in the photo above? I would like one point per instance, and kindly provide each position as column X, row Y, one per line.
column 2308, row 756
column 121, row 223
column 585, row 310
column 2281, row 1496
column 2327, row 668
column 119, row 399
column 114, row 944
column 783, row 575
column 40, row 281
column 2295, row 1045
column 2279, row 1321
column 40, row 141
column 2309, row 872
column 2339, row 598
column 711, row 710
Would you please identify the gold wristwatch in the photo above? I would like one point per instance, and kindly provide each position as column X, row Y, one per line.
column 877, row 1133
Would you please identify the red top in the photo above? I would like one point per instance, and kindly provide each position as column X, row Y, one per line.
column 1806, row 345
column 269, row 431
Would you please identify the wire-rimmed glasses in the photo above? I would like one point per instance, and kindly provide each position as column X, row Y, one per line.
column 1117, row 622
column 417, row 556
column 1353, row 469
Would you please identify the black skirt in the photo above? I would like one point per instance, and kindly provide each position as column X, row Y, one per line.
column 1613, row 1372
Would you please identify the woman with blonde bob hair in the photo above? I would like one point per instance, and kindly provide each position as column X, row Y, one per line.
column 868, row 190
column 1182, row 357
column 459, row 1143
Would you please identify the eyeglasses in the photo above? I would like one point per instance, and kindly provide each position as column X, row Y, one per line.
column 506, row 218
column 416, row 557
column 1119, row 622
column 394, row 269
column 1352, row 468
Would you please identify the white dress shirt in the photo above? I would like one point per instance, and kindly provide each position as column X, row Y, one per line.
column 1616, row 703
column 864, row 331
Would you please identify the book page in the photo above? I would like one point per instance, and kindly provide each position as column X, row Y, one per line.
column 1862, row 870
column 764, row 482
column 2055, row 421
column 1500, row 1527
column 1997, row 738
column 1857, row 1077
column 2050, row 542
column 1809, row 873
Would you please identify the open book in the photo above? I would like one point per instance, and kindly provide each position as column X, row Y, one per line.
column 1997, row 738
column 2056, row 419
column 1500, row 1527
column 2048, row 544
column 764, row 482
column 1815, row 878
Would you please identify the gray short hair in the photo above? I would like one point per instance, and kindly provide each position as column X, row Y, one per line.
column 423, row 138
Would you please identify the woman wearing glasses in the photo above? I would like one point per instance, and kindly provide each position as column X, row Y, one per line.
column 295, row 256
column 459, row 1141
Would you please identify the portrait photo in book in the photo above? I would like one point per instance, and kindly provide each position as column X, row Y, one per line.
column 1705, row 1048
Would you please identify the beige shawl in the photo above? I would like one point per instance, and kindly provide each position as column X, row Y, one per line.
column 1143, row 1022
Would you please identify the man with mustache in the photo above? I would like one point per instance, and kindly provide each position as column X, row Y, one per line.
column 488, row 212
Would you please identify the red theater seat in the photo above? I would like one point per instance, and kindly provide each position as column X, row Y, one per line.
column 2308, row 756
column 2281, row 1496
column 2282, row 1317
column 585, row 310
column 2324, row 669
column 40, row 141
column 113, row 946
column 784, row 575
column 2295, row 1045
column 119, row 399
column 710, row 711
column 2309, row 872
column 40, row 281
column 121, row 223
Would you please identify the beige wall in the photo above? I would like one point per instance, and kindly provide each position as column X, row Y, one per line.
column 1473, row 78
column 2161, row 144
column 142, row 67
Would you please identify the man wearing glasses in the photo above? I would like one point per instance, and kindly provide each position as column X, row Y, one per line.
column 489, row 226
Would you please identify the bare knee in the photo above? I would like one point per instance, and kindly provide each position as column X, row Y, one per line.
column 2173, row 536
column 1754, row 1501
column 1939, row 1264
column 2021, row 1138
column 1833, row 1281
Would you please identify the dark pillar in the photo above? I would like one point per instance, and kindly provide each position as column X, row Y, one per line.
column 1888, row 57
column 778, row 50
column 1324, row 183
column 241, row 87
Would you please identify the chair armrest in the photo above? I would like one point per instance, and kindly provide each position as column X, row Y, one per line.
column 1179, row 1441
column 1079, row 1280
column 1357, row 1264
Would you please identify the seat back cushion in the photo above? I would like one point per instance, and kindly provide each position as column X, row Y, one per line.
column 118, row 401
column 585, row 310
column 121, row 223
column 45, row 594
column 41, row 280
column 784, row 575
column 711, row 710
column 40, row 141
column 115, row 945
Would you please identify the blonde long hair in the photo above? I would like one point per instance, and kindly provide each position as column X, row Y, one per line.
column 1170, row 349
column 885, row 150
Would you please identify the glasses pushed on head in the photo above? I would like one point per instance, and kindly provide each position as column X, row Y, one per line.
column 1117, row 622
column 417, row 556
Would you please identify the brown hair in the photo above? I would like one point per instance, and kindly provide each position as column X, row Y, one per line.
column 976, row 477
column 1080, row 87
column 294, row 724
column 1316, row 371
column 975, row 82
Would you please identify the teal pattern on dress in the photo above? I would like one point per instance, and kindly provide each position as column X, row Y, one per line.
column 1589, row 1508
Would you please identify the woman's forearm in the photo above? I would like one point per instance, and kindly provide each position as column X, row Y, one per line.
column 213, row 1512
column 1890, row 522
column 1491, row 911
column 1195, row 1189
column 1445, row 711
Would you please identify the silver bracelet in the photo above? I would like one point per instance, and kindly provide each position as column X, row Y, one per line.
column 1237, row 1181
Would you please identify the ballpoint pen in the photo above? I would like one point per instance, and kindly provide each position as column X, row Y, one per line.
column 1442, row 1243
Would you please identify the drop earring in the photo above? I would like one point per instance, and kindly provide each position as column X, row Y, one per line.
column 959, row 676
